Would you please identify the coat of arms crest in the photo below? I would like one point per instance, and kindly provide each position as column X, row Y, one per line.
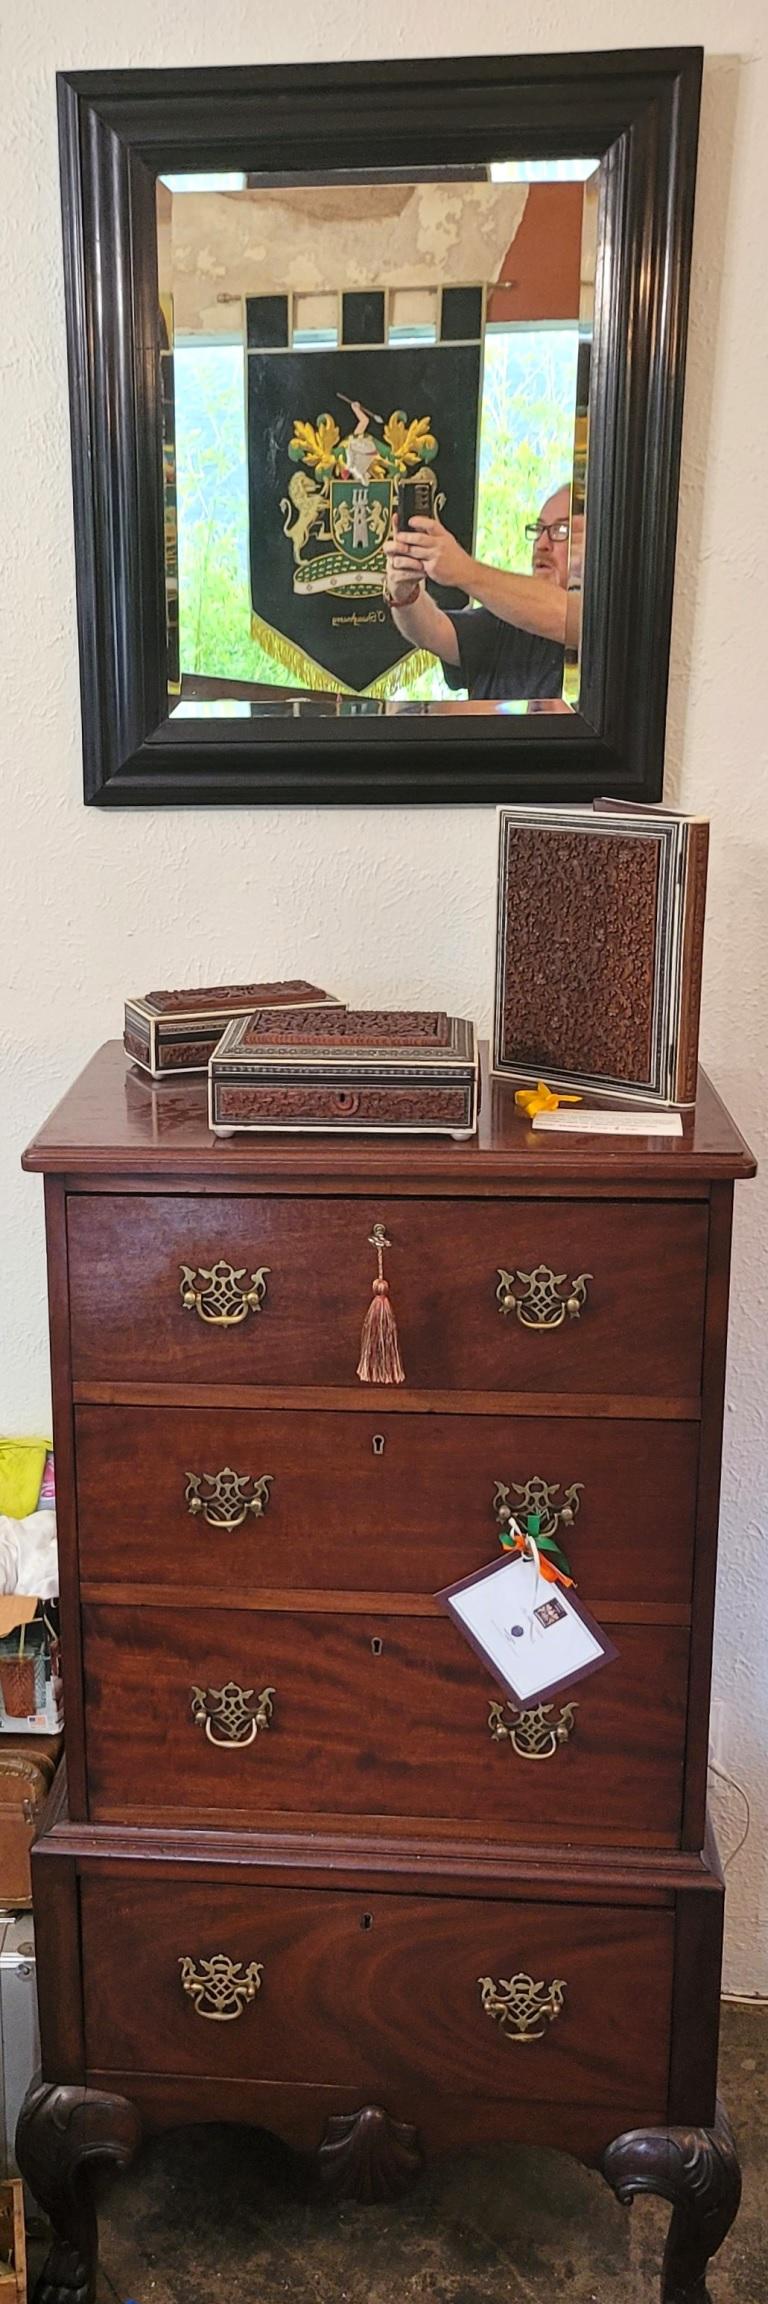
column 323, row 492
column 340, row 504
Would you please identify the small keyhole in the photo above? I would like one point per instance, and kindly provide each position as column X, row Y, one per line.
column 377, row 1646
column 366, row 1920
column 378, row 1443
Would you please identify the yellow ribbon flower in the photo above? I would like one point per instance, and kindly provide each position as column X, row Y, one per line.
column 541, row 1099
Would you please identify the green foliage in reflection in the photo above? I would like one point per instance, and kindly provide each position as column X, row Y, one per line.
column 526, row 447
column 526, row 437
column 212, row 491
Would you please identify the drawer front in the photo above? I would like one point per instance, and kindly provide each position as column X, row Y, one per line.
column 378, row 1991
column 635, row 1325
column 248, row 1500
column 370, row 1715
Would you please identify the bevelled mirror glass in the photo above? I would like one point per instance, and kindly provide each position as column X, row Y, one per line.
column 324, row 345
column 376, row 462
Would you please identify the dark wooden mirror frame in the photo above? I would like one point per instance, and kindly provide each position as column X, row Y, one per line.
column 637, row 111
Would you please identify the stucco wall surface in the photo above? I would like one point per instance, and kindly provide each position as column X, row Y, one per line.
column 386, row 907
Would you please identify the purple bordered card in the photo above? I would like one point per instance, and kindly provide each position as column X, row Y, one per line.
column 534, row 1636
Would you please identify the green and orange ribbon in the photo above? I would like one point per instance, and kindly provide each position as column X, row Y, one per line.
column 513, row 1540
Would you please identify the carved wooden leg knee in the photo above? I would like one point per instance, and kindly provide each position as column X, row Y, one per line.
column 63, row 2134
column 697, row 2170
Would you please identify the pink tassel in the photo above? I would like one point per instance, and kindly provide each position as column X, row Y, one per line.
column 380, row 1361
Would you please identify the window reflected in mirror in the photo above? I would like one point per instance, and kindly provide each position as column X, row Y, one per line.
column 374, row 399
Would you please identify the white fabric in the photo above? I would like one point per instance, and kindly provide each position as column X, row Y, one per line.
column 29, row 1560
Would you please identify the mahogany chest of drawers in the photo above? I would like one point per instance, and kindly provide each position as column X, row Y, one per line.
column 313, row 1873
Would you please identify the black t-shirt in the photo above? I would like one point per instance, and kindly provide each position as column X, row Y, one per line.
column 498, row 659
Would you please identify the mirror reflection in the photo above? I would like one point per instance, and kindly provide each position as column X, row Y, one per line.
column 374, row 416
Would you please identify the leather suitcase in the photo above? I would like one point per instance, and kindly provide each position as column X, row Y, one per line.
column 25, row 1782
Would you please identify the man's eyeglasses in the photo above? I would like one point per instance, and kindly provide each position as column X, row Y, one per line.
column 557, row 530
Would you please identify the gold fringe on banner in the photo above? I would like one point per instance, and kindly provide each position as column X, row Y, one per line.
column 303, row 669
column 308, row 674
column 419, row 661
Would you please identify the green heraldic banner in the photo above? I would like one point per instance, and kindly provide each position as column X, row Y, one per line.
column 331, row 434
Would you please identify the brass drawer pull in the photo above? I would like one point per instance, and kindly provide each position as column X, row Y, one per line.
column 533, row 1734
column 227, row 1503
column 539, row 1304
column 216, row 1294
column 221, row 1983
column 536, row 1496
column 231, row 1717
column 521, row 2008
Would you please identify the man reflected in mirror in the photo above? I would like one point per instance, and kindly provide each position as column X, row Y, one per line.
column 512, row 644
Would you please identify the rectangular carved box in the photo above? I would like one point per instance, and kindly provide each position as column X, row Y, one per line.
column 351, row 1073
column 172, row 1032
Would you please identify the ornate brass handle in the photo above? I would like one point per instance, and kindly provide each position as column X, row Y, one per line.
column 216, row 1295
column 533, row 1734
column 226, row 1504
column 231, row 1716
column 537, row 1300
column 521, row 2008
column 219, row 1988
column 536, row 1496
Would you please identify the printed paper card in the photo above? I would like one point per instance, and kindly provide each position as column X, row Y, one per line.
column 534, row 1635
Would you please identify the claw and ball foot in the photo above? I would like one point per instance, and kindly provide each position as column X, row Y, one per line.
column 697, row 2171
column 63, row 2135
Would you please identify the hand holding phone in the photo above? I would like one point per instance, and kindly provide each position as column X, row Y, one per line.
column 415, row 499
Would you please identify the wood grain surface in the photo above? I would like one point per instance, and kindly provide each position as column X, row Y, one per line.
column 312, row 1852
column 378, row 1992
column 444, row 2122
column 641, row 1328
column 114, row 1122
column 410, row 1516
column 399, row 1732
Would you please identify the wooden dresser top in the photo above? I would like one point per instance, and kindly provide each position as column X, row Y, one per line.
column 114, row 1122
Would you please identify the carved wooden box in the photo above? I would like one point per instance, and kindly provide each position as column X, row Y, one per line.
column 347, row 1073
column 173, row 1032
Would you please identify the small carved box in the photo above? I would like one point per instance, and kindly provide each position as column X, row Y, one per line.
column 170, row 1032
column 351, row 1073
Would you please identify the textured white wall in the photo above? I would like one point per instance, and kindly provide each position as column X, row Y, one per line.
column 384, row 906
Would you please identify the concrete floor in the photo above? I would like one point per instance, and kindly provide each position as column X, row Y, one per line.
column 208, row 2216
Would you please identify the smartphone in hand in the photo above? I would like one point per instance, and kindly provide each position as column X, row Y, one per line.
column 414, row 497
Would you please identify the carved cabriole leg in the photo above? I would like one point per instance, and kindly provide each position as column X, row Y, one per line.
column 367, row 2156
column 62, row 2135
column 697, row 2170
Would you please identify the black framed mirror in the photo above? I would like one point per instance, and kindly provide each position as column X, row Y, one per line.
column 376, row 381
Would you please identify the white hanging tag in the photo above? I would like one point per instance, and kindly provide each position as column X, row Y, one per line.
column 534, row 1634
